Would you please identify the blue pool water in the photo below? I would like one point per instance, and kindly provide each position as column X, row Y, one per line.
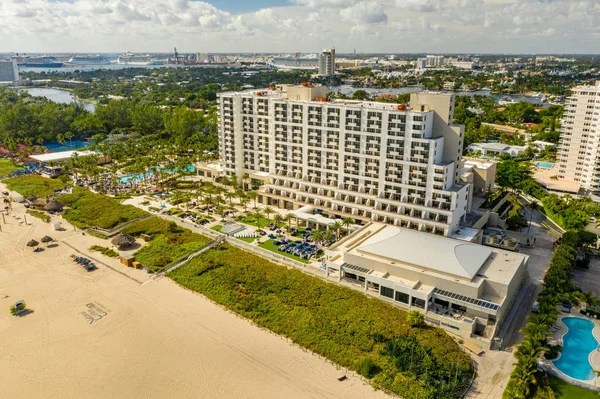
column 578, row 343
column 546, row 165
column 126, row 179
column 68, row 146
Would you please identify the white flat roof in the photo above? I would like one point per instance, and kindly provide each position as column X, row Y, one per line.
column 428, row 251
column 60, row 156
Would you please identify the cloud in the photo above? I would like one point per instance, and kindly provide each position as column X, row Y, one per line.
column 420, row 5
column 302, row 25
column 365, row 12
column 326, row 3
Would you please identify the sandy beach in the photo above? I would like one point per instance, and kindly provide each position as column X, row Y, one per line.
column 152, row 340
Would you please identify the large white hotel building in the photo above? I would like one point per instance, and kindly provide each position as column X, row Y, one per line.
column 371, row 161
column 578, row 159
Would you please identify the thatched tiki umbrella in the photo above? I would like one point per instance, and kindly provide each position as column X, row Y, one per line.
column 33, row 244
column 40, row 203
column 53, row 206
column 123, row 240
column 47, row 240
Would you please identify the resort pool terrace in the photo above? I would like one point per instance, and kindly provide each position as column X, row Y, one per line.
column 578, row 343
column 126, row 179
column 545, row 165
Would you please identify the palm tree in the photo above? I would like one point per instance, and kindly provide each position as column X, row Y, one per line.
column 229, row 195
column 328, row 236
column 587, row 298
column 337, row 226
column 532, row 206
column 257, row 215
column 268, row 211
column 252, row 196
column 415, row 318
column 536, row 330
column 347, row 222
column 244, row 203
column 287, row 218
column 317, row 237
column 245, row 177
column 277, row 219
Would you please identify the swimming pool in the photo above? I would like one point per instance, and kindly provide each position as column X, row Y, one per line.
column 126, row 179
column 68, row 146
column 578, row 343
column 546, row 165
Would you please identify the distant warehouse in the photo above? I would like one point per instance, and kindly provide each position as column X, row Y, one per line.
column 462, row 287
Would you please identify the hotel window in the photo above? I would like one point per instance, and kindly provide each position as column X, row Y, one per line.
column 387, row 292
column 401, row 297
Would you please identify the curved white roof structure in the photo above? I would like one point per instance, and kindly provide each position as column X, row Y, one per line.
column 427, row 251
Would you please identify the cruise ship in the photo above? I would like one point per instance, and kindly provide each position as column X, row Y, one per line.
column 137, row 59
column 89, row 60
column 38, row 62
column 297, row 61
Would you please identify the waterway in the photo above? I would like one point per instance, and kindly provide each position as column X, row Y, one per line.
column 58, row 96
column 349, row 89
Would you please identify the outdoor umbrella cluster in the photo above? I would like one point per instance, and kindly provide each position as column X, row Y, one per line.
column 123, row 240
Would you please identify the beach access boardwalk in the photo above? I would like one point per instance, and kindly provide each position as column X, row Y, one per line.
column 115, row 230
column 217, row 241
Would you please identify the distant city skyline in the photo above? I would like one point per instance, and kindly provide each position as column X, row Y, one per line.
column 385, row 26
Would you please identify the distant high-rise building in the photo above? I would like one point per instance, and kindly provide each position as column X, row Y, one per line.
column 421, row 63
column 435, row 61
column 202, row 57
column 9, row 71
column 327, row 62
column 579, row 139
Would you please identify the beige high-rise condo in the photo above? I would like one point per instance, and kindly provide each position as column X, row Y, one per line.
column 392, row 163
column 579, row 145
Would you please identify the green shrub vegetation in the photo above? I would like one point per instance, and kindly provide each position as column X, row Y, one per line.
column 524, row 380
column 361, row 333
column 566, row 211
column 40, row 215
column 104, row 251
column 34, row 185
column 169, row 242
column 86, row 209
column 7, row 166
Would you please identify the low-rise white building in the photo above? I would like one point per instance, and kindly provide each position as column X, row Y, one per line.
column 465, row 288
column 496, row 149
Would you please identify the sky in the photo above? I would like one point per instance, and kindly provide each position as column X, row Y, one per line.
column 289, row 26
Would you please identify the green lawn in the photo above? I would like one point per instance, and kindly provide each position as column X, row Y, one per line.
column 272, row 247
column 564, row 390
column 218, row 228
column 349, row 328
column 7, row 166
column 34, row 185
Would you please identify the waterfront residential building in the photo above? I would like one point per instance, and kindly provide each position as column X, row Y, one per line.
column 579, row 142
column 9, row 72
column 327, row 62
column 465, row 288
column 371, row 161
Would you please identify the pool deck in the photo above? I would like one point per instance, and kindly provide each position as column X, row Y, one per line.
column 594, row 356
